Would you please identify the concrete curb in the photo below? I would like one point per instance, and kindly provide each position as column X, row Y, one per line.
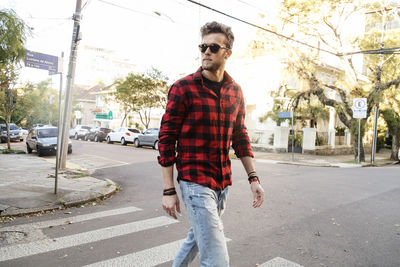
column 104, row 193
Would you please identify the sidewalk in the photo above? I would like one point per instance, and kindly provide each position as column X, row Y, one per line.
column 342, row 161
column 27, row 186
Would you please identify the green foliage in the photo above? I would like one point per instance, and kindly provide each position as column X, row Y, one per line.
column 340, row 130
column 298, row 140
column 35, row 103
column 13, row 32
column 141, row 92
column 320, row 140
column 12, row 151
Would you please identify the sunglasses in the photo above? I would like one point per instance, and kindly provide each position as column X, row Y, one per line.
column 214, row 48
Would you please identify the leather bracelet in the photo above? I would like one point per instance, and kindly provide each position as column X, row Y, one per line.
column 254, row 178
column 169, row 189
column 169, row 193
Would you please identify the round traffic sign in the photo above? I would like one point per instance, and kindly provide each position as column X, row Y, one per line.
column 360, row 103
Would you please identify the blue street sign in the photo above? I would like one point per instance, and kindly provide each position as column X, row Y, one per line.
column 41, row 61
column 285, row 115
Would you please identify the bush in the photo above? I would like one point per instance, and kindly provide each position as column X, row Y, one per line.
column 320, row 141
column 271, row 139
column 298, row 137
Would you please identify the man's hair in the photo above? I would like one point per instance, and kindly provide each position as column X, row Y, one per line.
column 216, row 27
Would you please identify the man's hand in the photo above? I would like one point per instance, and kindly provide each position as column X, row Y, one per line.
column 171, row 204
column 258, row 194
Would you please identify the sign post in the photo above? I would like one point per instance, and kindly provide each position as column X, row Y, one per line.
column 359, row 112
column 288, row 115
column 54, row 65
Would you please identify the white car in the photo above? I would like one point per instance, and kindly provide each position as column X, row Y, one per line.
column 79, row 131
column 123, row 135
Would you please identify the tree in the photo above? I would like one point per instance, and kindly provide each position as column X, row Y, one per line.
column 386, row 68
column 323, row 24
column 141, row 92
column 12, row 38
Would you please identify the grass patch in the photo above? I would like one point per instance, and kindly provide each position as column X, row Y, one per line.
column 12, row 151
column 61, row 201
column 80, row 175
column 232, row 156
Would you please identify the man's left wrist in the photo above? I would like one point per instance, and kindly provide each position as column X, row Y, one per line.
column 253, row 178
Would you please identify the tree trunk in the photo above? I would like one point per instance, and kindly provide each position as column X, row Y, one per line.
column 395, row 147
column 8, row 130
column 126, row 114
column 355, row 149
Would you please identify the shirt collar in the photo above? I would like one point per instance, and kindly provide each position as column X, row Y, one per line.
column 199, row 78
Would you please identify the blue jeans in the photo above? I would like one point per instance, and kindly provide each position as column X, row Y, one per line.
column 204, row 208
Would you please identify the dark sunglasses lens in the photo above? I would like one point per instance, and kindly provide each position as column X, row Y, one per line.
column 203, row 48
column 214, row 48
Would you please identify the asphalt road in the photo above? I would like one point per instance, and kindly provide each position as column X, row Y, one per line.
column 312, row 216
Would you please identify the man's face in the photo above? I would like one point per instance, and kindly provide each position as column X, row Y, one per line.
column 214, row 61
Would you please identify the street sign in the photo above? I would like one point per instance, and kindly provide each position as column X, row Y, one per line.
column 359, row 108
column 285, row 115
column 43, row 61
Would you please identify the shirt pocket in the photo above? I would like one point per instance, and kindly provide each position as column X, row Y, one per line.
column 230, row 106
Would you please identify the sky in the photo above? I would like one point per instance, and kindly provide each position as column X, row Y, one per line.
column 159, row 33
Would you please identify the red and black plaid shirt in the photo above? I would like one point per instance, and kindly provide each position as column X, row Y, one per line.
column 200, row 127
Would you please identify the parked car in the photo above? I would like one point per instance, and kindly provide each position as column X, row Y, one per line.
column 24, row 131
column 124, row 135
column 98, row 134
column 148, row 138
column 44, row 140
column 15, row 133
column 79, row 131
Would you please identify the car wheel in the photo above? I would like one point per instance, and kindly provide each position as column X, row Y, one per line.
column 109, row 140
column 155, row 145
column 39, row 152
column 28, row 148
column 123, row 142
column 96, row 139
column 136, row 143
column 76, row 136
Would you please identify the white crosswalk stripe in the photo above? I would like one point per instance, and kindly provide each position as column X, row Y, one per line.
column 279, row 262
column 145, row 258
column 73, row 219
column 42, row 246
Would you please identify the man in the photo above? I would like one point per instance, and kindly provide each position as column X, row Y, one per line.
column 204, row 115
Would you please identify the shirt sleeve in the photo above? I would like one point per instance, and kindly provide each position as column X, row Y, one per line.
column 240, row 138
column 171, row 125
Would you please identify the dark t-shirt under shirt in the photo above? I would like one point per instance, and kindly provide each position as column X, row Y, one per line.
column 215, row 86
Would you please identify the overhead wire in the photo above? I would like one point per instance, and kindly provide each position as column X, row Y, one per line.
column 393, row 50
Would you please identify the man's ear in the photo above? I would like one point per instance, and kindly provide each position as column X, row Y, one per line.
column 228, row 53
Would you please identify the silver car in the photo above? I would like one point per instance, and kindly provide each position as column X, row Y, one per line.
column 148, row 138
column 44, row 141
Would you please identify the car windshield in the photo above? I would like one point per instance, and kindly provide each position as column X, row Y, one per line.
column 13, row 127
column 45, row 133
column 134, row 130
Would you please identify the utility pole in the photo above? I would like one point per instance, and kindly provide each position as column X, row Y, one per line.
column 70, row 84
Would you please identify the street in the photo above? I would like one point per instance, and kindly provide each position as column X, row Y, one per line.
column 312, row 216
